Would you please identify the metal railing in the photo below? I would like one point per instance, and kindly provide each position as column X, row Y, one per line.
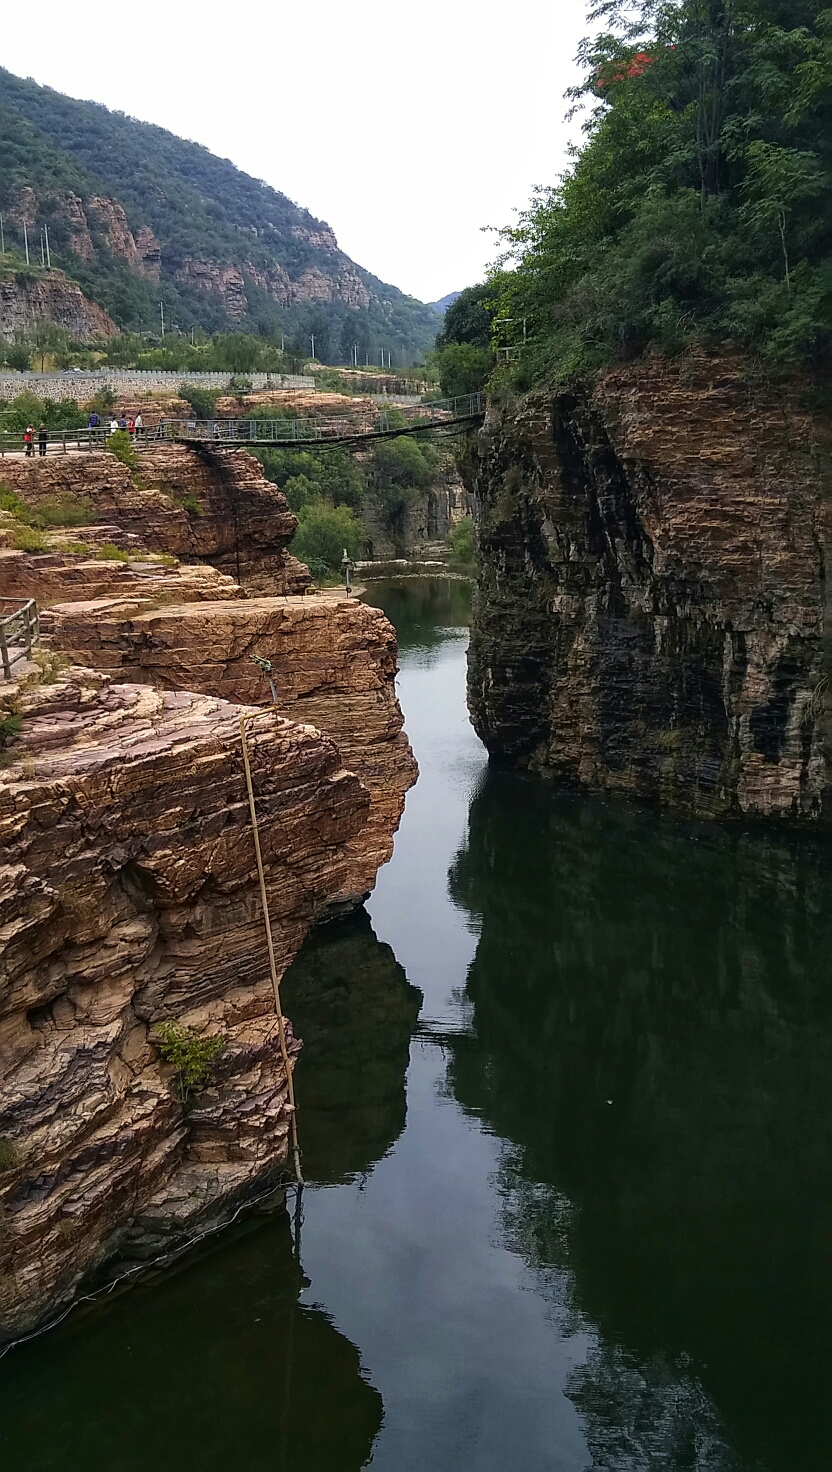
column 367, row 423
column 19, row 631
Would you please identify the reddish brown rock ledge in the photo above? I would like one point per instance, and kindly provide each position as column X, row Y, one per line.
column 129, row 896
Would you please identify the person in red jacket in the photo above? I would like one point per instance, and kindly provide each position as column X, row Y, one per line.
column 29, row 439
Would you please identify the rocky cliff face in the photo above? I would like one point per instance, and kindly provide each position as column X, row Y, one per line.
column 130, row 896
column 201, row 507
column 333, row 664
column 128, row 887
column 50, row 296
column 650, row 615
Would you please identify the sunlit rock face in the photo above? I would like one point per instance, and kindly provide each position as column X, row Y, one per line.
column 333, row 664
column 200, row 507
column 650, row 615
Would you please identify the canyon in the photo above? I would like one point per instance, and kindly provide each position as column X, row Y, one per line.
column 650, row 613
column 130, row 896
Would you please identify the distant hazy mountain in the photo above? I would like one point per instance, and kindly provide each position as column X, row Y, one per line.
column 138, row 216
column 445, row 302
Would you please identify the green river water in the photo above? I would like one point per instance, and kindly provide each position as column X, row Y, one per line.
column 566, row 1112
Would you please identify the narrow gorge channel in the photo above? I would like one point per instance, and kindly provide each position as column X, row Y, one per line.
column 565, row 1118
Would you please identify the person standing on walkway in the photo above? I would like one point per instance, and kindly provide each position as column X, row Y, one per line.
column 139, row 425
column 113, row 426
column 42, row 438
column 29, row 439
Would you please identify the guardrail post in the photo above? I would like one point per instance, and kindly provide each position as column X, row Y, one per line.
column 4, row 654
column 27, row 629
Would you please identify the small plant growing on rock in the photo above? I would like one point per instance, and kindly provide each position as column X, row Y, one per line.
column 121, row 445
column 190, row 502
column 10, row 725
column 111, row 553
column 9, row 1155
column 29, row 539
column 50, row 663
column 11, row 502
column 193, row 1057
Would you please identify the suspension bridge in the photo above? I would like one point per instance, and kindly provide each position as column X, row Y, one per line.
column 348, row 428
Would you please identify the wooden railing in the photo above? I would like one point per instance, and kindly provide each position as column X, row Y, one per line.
column 19, row 631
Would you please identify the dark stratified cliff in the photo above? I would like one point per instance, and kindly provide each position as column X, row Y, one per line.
column 651, row 604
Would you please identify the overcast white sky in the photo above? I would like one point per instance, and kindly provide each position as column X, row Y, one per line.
column 407, row 127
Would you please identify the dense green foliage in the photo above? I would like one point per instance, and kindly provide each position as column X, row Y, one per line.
column 461, row 542
column 198, row 206
column 321, row 484
column 464, row 351
column 27, row 408
column 699, row 207
column 324, row 532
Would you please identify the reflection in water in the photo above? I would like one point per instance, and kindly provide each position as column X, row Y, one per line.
column 652, row 1032
column 351, row 1003
column 215, row 1367
column 425, row 612
column 603, row 1238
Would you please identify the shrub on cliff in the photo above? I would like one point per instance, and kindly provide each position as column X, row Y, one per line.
column 323, row 533
column 203, row 401
column 699, row 207
column 121, row 445
column 461, row 543
column 193, row 1057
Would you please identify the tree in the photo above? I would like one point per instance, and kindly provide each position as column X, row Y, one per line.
column 323, row 533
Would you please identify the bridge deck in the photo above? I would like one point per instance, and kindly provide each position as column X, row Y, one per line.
column 254, row 432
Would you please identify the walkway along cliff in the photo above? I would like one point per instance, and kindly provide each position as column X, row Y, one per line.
column 129, row 894
column 650, row 613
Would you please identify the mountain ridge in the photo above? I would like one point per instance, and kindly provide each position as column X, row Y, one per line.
column 138, row 216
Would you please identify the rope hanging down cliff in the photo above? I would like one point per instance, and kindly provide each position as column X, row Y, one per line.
column 281, row 1025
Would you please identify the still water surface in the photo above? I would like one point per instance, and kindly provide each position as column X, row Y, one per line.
column 566, row 1106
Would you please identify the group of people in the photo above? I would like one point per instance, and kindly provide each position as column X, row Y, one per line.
column 134, row 426
column 29, row 439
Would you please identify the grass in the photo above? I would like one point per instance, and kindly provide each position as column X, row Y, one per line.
column 29, row 539
column 109, row 552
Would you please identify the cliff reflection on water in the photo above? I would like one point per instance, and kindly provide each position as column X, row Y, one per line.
column 652, row 1033
column 218, row 1364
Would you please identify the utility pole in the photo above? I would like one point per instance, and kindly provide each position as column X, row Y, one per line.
column 2, row 237
column 42, row 251
column 162, row 316
column 46, row 237
column 313, row 344
column 26, row 242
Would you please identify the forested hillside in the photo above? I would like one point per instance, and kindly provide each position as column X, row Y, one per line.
column 697, row 211
column 138, row 216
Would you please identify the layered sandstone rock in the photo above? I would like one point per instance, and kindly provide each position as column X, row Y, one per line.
column 202, row 506
column 129, row 896
column 50, row 296
column 650, row 615
column 63, row 577
column 333, row 665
